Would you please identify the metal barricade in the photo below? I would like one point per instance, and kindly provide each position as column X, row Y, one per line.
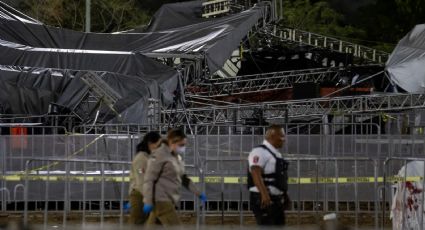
column 211, row 146
column 78, row 171
column 322, row 181
column 67, row 178
column 409, row 201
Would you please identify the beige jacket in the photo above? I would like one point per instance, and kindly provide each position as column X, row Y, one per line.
column 137, row 172
column 164, row 177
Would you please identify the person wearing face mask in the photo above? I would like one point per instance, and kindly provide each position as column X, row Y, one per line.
column 150, row 141
column 163, row 180
column 268, row 179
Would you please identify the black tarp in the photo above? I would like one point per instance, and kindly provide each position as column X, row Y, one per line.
column 134, row 76
column 8, row 12
column 122, row 62
column 30, row 91
column 27, row 42
column 214, row 38
column 175, row 15
column 125, row 63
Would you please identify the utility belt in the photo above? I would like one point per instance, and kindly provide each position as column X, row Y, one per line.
column 278, row 179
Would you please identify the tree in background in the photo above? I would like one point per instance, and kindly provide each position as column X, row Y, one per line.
column 106, row 16
column 389, row 20
column 318, row 17
column 152, row 5
column 377, row 23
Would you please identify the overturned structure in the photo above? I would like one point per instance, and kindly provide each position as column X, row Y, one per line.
column 405, row 65
column 44, row 66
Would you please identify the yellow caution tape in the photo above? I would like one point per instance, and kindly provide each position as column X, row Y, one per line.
column 213, row 179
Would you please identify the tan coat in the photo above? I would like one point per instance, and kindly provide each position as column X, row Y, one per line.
column 163, row 178
column 137, row 172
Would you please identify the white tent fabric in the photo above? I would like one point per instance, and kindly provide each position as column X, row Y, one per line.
column 406, row 65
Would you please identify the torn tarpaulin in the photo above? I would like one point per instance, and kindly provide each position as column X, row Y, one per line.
column 9, row 13
column 406, row 63
column 215, row 38
column 175, row 15
column 31, row 90
column 125, row 63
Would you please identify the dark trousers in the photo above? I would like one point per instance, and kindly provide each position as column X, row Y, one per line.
column 136, row 211
column 164, row 213
column 272, row 215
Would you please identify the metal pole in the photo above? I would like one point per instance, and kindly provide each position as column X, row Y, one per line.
column 196, row 164
column 202, row 180
column 122, row 196
column 222, row 200
column 376, row 193
column 28, row 162
column 46, row 200
column 3, row 182
column 240, row 181
column 88, row 17
column 385, row 167
column 298, row 192
column 316, row 204
column 66, row 194
column 356, row 197
column 281, row 9
column 102, row 195
column 422, row 200
column 84, row 183
column 336, row 188
column 403, row 203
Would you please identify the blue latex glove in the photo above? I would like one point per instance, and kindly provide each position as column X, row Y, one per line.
column 147, row 208
column 203, row 197
column 127, row 207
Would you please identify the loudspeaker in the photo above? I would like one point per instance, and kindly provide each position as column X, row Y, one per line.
column 305, row 90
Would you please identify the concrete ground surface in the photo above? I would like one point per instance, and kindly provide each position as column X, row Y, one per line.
column 74, row 221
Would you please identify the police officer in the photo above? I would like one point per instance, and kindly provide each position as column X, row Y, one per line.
column 150, row 142
column 268, row 180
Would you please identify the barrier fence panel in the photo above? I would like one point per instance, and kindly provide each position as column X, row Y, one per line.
column 317, row 185
column 92, row 147
column 217, row 159
column 68, row 181
column 404, row 192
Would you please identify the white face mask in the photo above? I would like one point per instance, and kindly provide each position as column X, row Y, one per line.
column 181, row 149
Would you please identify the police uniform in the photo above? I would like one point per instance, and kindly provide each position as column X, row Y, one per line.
column 274, row 175
column 137, row 173
column 165, row 175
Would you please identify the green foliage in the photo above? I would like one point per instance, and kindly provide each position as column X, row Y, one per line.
column 318, row 17
column 380, row 24
column 389, row 20
column 151, row 6
column 106, row 16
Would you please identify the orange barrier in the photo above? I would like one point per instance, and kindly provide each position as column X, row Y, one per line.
column 18, row 137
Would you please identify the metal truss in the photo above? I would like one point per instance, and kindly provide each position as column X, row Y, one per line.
column 334, row 44
column 296, row 108
column 215, row 8
column 267, row 81
column 99, row 93
column 101, row 90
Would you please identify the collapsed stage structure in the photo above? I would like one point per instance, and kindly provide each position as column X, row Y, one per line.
column 202, row 64
column 222, row 70
column 44, row 65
